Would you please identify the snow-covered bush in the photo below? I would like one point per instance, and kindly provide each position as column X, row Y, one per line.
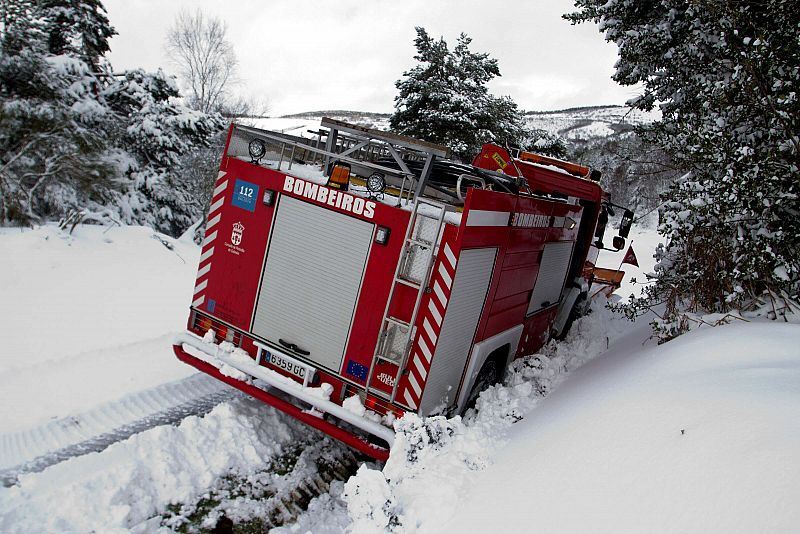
column 75, row 138
column 725, row 76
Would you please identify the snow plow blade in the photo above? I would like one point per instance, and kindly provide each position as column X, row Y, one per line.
column 348, row 438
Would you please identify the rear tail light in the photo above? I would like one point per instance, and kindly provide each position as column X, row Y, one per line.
column 380, row 407
column 340, row 177
column 202, row 324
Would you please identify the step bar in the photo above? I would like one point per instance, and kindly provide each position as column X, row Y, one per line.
column 208, row 357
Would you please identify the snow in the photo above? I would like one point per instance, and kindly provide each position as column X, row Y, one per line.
column 96, row 309
column 123, row 487
column 698, row 435
column 606, row 431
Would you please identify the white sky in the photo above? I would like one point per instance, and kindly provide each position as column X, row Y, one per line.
column 307, row 55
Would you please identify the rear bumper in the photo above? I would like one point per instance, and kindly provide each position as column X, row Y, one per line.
column 208, row 358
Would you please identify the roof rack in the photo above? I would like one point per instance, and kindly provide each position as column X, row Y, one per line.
column 349, row 143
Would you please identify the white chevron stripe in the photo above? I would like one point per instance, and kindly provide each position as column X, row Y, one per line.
column 220, row 174
column 434, row 312
column 409, row 401
column 209, row 238
column 213, row 221
column 201, row 286
column 216, row 205
column 423, row 348
column 199, row 301
column 429, row 329
column 437, row 290
column 207, row 254
column 204, row 270
column 220, row 188
column 448, row 280
column 414, row 384
column 423, row 374
column 449, row 255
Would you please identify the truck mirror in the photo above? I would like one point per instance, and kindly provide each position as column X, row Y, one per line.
column 625, row 224
column 618, row 242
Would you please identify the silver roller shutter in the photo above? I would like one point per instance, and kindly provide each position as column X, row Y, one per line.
column 311, row 280
column 473, row 274
column 552, row 273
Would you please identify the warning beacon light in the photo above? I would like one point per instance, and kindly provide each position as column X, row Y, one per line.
column 340, row 177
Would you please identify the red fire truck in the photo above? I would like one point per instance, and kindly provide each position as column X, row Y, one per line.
column 349, row 278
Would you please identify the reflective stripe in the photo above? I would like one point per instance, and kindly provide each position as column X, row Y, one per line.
column 448, row 280
column 429, row 329
column 414, row 384
column 216, row 205
column 201, row 286
column 437, row 289
column 213, row 221
column 203, row 270
column 209, row 238
column 423, row 374
column 199, row 301
column 436, row 315
column 207, row 254
column 424, row 349
column 220, row 188
column 487, row 218
column 409, row 401
column 449, row 255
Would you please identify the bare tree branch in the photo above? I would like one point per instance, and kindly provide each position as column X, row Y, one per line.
column 200, row 48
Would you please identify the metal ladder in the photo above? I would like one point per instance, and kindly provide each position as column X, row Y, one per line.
column 392, row 326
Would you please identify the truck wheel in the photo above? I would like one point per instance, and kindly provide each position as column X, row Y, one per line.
column 489, row 376
column 579, row 309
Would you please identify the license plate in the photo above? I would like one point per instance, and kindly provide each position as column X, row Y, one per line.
column 289, row 365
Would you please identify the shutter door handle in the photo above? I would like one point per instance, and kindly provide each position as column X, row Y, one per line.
column 293, row 347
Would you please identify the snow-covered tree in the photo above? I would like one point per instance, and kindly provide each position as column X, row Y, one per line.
column 156, row 131
column 52, row 146
column 76, row 138
column 725, row 76
column 77, row 28
column 444, row 99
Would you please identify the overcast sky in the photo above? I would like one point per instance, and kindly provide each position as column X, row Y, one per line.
column 306, row 55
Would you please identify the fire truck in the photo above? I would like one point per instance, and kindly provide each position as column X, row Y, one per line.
column 356, row 275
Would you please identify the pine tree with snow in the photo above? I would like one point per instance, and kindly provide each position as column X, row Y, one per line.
column 724, row 74
column 444, row 99
column 52, row 147
column 78, row 28
column 156, row 132
column 77, row 139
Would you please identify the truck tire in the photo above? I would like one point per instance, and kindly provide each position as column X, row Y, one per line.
column 489, row 375
column 579, row 309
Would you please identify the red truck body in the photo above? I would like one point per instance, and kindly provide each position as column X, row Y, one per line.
column 317, row 295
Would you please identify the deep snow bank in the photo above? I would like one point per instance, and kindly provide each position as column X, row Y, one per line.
column 698, row 435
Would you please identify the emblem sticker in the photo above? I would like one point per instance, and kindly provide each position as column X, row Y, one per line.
column 245, row 195
column 236, row 233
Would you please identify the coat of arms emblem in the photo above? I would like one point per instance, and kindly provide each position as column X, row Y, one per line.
column 236, row 234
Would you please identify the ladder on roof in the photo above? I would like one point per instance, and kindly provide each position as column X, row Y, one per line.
column 421, row 244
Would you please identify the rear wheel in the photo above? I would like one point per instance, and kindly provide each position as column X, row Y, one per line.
column 489, row 376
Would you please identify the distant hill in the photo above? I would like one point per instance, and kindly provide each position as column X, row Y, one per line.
column 576, row 125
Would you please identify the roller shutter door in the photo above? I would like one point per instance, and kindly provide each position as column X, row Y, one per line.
column 552, row 273
column 311, row 279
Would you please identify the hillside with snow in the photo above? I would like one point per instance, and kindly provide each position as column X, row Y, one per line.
column 576, row 125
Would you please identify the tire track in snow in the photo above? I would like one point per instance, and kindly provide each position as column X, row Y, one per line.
column 35, row 449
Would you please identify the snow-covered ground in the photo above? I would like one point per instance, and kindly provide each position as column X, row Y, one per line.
column 605, row 431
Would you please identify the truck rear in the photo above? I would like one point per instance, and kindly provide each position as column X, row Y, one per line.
column 351, row 278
